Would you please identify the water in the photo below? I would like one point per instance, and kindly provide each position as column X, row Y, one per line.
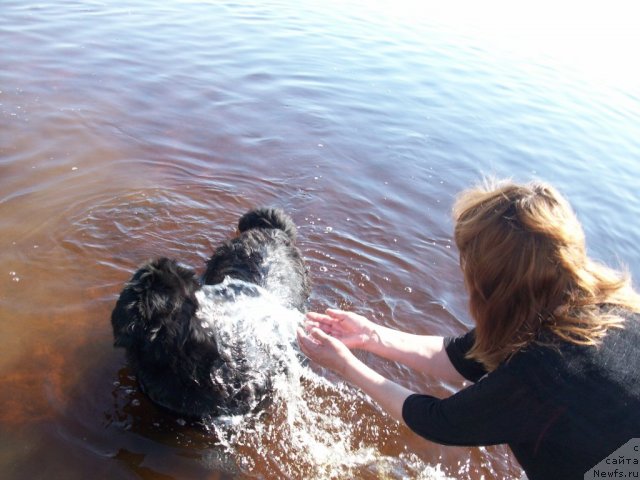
column 136, row 129
column 258, row 326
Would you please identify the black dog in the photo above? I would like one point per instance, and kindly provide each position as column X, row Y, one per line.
column 174, row 354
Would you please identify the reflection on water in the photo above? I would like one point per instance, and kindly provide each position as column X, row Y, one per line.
column 137, row 129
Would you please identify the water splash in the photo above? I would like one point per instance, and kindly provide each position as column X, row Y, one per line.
column 308, row 429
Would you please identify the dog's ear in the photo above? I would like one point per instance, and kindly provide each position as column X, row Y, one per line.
column 151, row 298
column 127, row 318
column 124, row 326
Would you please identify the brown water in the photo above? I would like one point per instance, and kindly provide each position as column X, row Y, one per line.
column 136, row 129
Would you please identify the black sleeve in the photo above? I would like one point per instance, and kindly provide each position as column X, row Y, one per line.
column 457, row 348
column 497, row 409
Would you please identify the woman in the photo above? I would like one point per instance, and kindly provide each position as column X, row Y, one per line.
column 554, row 355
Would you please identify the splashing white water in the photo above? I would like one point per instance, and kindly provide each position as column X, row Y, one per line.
column 309, row 430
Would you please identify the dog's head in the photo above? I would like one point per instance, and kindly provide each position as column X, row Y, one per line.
column 168, row 348
column 155, row 305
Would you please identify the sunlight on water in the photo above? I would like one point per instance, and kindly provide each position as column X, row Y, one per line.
column 247, row 319
column 595, row 39
column 137, row 129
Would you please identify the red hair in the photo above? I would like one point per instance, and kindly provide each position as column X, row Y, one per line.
column 523, row 256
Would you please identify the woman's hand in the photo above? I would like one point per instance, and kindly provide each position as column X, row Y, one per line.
column 325, row 350
column 331, row 353
column 423, row 353
column 353, row 330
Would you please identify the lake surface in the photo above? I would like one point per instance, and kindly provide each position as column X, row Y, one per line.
column 137, row 129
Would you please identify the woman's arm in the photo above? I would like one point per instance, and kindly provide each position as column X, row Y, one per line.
column 423, row 353
column 500, row 408
column 333, row 354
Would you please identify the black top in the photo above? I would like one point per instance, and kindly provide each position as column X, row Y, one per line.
column 562, row 410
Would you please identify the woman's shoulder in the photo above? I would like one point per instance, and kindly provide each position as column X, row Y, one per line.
column 619, row 348
column 627, row 337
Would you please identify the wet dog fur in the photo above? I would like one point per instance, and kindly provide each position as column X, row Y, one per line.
column 176, row 360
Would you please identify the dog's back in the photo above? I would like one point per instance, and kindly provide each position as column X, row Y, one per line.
column 182, row 361
column 265, row 254
column 269, row 218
